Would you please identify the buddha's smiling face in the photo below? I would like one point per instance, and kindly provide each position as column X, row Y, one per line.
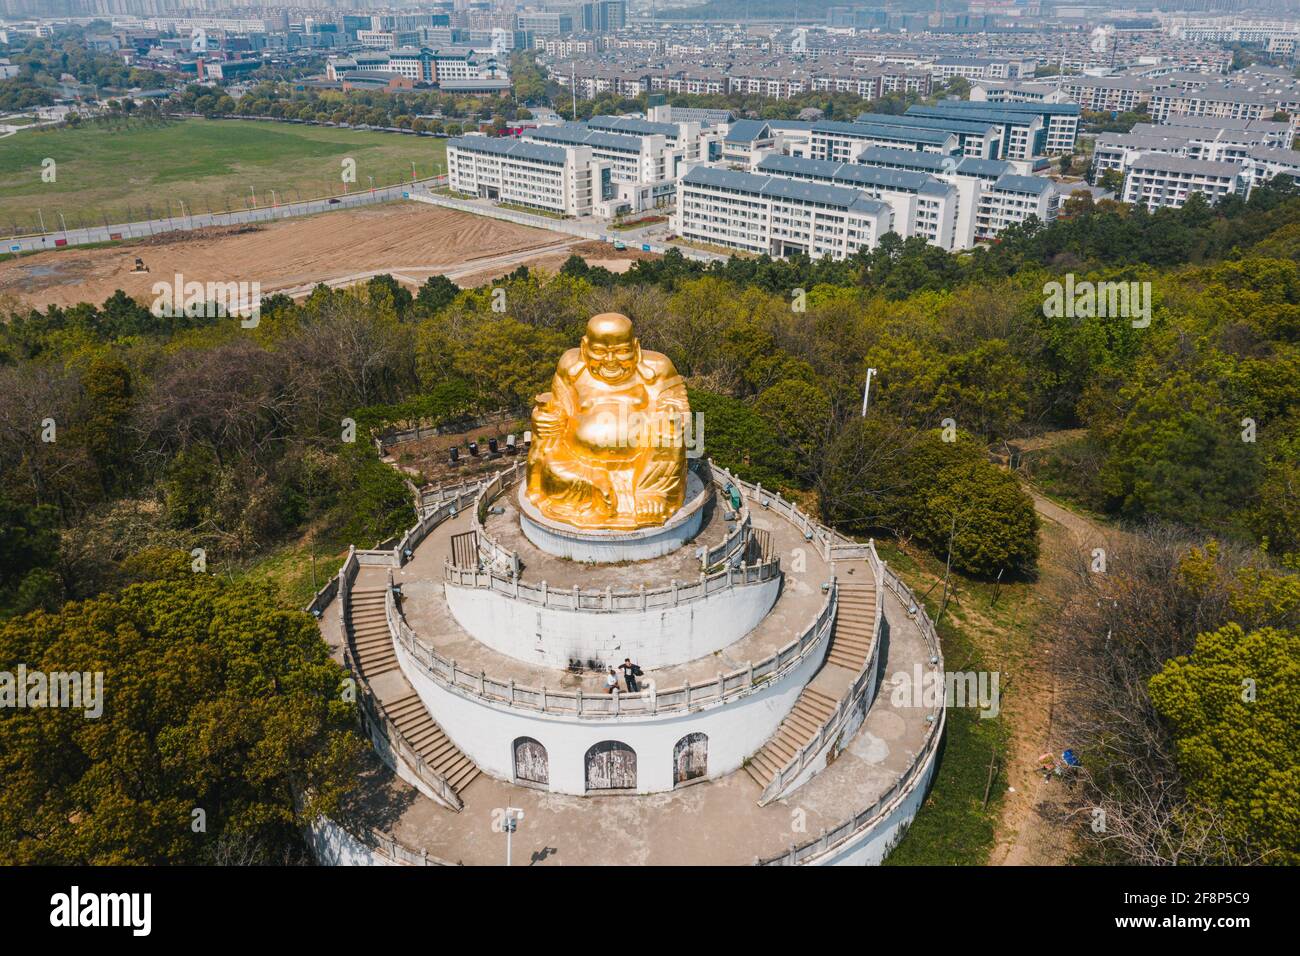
column 609, row 348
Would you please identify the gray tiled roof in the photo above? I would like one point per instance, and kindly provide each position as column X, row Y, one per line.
column 1033, row 185
column 580, row 135
column 508, row 146
column 974, row 166
column 630, row 124
column 848, row 173
column 875, row 131
column 746, row 131
column 927, row 122
column 780, row 187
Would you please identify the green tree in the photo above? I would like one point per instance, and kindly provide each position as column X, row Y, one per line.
column 213, row 700
column 1235, row 717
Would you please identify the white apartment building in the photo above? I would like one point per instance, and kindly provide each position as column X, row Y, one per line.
column 1222, row 102
column 972, row 68
column 776, row 216
column 921, row 205
column 1279, row 135
column 684, row 135
column 1106, row 94
column 1013, row 199
column 566, row 180
column 632, row 159
column 1156, row 179
column 1265, row 162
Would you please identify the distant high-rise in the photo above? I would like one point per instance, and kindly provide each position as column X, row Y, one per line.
column 604, row 16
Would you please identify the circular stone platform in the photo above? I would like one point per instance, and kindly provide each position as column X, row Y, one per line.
column 607, row 547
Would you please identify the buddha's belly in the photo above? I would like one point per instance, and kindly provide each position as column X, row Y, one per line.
column 607, row 432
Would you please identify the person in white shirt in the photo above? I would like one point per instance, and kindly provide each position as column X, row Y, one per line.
column 611, row 681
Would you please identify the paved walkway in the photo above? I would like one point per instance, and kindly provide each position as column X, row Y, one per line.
column 426, row 610
column 714, row 823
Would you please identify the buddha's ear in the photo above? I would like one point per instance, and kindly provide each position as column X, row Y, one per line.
column 642, row 368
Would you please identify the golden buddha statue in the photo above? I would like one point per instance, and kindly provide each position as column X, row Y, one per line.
column 607, row 448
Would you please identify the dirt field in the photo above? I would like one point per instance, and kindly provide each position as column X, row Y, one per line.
column 409, row 240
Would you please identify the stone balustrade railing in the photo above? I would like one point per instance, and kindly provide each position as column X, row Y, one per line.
column 852, row 699
column 491, row 555
column 387, row 738
column 725, row 687
column 608, row 599
column 884, row 805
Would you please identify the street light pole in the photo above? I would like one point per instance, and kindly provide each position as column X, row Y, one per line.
column 510, row 824
column 866, row 392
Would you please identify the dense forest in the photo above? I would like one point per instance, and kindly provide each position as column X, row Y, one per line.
column 130, row 442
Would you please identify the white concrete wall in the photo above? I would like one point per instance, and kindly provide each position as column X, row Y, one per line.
column 486, row 732
column 656, row 637
column 643, row 545
column 335, row 846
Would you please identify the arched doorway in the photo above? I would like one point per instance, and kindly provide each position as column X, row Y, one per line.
column 690, row 758
column 530, row 762
column 611, row 765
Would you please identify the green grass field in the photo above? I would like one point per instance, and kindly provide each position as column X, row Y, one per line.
column 209, row 165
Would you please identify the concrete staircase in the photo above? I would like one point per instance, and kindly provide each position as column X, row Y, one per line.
column 368, row 633
column 413, row 720
column 800, row 726
column 372, row 648
column 855, row 618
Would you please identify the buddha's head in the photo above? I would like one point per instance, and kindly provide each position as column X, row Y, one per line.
column 610, row 349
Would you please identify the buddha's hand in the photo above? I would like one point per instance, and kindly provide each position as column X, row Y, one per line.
column 651, row 507
column 547, row 421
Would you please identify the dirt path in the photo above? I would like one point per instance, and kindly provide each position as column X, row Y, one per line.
column 1028, row 834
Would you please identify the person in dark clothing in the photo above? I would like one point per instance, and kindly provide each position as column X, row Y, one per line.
column 630, row 673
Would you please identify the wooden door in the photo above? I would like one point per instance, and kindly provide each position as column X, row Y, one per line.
column 611, row 765
column 530, row 762
column 690, row 758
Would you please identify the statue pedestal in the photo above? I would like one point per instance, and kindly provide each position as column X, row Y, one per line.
column 609, row 547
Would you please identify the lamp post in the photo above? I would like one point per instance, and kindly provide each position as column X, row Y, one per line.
column 866, row 391
column 510, row 824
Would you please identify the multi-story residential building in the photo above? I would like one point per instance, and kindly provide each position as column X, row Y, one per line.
column 1156, row 179
column 1015, row 91
column 1013, row 199
column 1221, row 102
column 1279, row 135
column 1265, row 162
column 1112, row 94
column 565, row 180
column 972, row 68
column 775, row 215
column 641, row 160
column 921, row 205
column 1028, row 129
